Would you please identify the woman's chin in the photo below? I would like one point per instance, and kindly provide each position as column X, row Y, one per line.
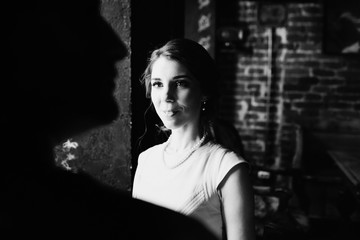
column 170, row 126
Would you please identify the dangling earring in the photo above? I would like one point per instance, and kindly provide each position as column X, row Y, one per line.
column 203, row 106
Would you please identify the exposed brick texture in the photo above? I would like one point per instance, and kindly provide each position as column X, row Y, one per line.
column 309, row 88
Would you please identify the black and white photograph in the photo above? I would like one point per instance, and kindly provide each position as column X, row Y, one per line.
column 180, row 120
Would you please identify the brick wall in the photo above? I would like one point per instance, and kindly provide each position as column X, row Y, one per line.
column 308, row 88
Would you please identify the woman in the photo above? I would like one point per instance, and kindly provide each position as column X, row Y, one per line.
column 190, row 172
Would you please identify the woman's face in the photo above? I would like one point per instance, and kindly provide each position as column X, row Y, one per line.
column 176, row 94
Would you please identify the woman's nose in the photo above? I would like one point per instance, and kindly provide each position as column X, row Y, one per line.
column 168, row 94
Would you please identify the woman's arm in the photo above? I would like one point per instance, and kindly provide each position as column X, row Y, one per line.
column 238, row 204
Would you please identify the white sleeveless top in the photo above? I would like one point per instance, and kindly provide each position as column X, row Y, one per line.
column 190, row 188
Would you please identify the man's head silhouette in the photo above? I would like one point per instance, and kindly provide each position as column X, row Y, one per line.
column 62, row 58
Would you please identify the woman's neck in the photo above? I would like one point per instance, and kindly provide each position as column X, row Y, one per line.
column 183, row 140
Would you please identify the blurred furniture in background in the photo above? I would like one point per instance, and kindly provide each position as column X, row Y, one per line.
column 343, row 152
column 349, row 164
column 327, row 159
column 277, row 211
column 276, row 215
column 312, row 199
column 317, row 197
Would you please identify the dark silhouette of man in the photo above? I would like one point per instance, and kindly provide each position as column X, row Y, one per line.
column 58, row 81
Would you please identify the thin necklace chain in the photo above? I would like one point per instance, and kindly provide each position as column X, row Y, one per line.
column 186, row 157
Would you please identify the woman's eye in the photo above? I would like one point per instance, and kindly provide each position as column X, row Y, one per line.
column 182, row 83
column 156, row 84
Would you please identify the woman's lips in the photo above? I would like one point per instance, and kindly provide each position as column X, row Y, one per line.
column 169, row 113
